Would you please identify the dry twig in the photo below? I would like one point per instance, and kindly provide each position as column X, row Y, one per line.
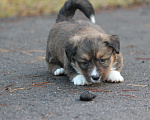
column 30, row 61
column 48, row 115
column 97, row 90
column 142, row 58
column 138, row 85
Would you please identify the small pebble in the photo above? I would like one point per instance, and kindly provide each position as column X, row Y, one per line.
column 87, row 96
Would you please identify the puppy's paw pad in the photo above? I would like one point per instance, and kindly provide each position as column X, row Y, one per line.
column 59, row 71
column 79, row 80
column 114, row 77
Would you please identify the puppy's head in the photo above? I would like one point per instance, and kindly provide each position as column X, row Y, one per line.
column 92, row 56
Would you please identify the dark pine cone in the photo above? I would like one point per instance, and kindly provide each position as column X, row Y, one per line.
column 87, row 96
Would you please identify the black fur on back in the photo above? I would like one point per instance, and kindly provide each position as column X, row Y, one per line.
column 70, row 6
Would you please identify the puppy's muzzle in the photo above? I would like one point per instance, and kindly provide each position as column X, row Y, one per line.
column 95, row 76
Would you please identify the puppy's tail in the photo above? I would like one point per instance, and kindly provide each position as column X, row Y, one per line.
column 68, row 10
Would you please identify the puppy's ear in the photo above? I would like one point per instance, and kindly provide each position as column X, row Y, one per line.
column 114, row 42
column 70, row 50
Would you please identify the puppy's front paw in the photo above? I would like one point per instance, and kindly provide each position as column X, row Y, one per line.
column 59, row 71
column 114, row 76
column 79, row 80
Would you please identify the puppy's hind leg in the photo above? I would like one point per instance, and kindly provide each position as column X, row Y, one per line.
column 55, row 69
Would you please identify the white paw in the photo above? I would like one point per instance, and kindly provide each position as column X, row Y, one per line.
column 114, row 76
column 79, row 80
column 59, row 71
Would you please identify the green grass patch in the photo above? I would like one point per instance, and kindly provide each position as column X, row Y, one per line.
column 10, row 8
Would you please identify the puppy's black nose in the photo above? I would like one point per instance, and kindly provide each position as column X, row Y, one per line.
column 95, row 77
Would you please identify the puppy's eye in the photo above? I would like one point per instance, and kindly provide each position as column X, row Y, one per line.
column 102, row 61
column 85, row 64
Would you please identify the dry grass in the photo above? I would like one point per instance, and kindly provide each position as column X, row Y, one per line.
column 28, row 7
column 35, row 7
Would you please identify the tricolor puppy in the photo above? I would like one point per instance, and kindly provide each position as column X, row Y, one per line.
column 82, row 50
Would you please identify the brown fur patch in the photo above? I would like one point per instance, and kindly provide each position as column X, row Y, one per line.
column 105, row 72
column 85, row 57
column 105, row 52
column 77, row 66
column 83, row 33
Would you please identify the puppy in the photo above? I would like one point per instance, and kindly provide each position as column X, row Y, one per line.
column 82, row 50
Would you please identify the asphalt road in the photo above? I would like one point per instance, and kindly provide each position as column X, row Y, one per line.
column 29, row 91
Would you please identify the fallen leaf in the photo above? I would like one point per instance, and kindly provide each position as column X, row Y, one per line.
column 138, row 85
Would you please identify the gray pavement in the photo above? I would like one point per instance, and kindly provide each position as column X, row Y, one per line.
column 29, row 92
